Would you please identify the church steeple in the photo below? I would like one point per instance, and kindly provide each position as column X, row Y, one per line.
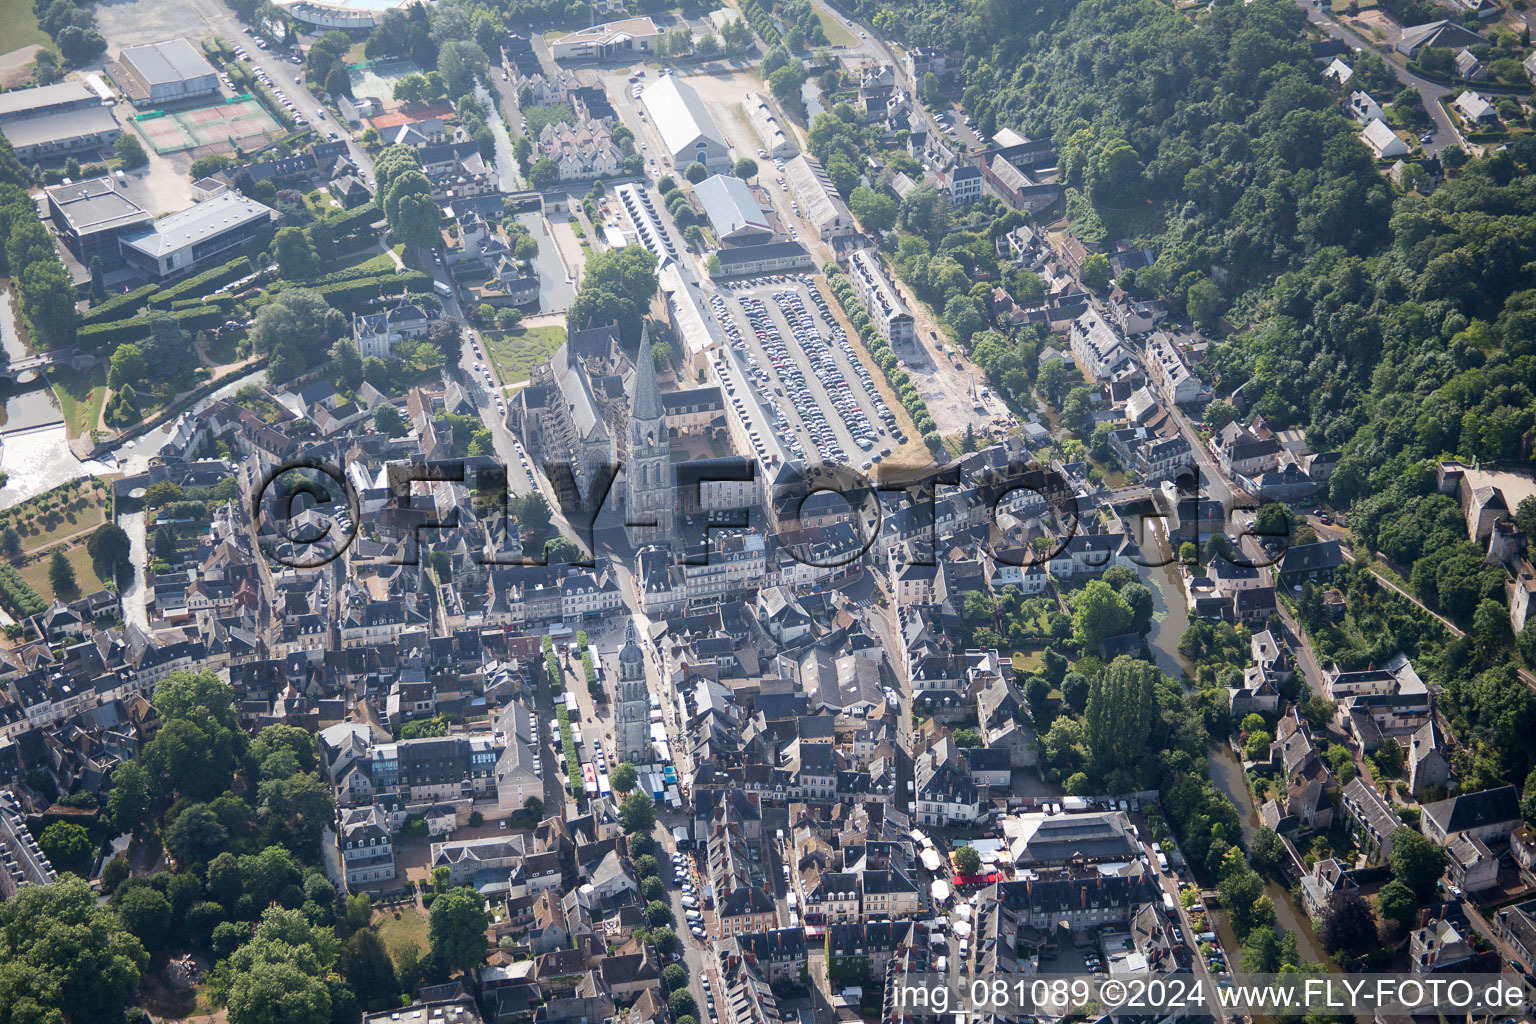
column 646, row 404
column 648, row 468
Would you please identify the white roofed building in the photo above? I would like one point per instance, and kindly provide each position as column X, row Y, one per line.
column 734, row 213
column 198, row 236
column 686, row 127
column 614, row 40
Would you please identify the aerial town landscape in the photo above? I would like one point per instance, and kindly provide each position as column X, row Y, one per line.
column 611, row 512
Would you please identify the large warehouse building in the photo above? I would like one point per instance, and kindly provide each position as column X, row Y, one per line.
column 824, row 208
column 55, row 121
column 686, row 128
column 164, row 72
column 59, row 98
column 53, row 137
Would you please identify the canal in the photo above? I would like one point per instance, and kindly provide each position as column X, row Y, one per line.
column 1170, row 620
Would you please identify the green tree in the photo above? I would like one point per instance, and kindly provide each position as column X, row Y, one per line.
column 1416, row 861
column 674, row 977
column 366, row 966
column 456, row 928
column 128, row 802
column 875, row 210
column 1218, row 414
column 1099, row 613
column 1203, row 300
column 665, row 940
column 696, row 172
column 1120, row 714
column 126, row 367
column 624, row 777
column 295, row 254
column 637, row 813
column 745, row 168
column 544, row 173
column 65, row 954
column 110, row 550
column 967, row 861
column 61, row 576
column 146, row 913
column 658, row 913
column 196, row 835
column 349, row 366
column 1096, row 271
column 1395, row 901
column 68, row 847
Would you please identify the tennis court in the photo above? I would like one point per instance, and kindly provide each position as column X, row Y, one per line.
column 378, row 79
column 242, row 121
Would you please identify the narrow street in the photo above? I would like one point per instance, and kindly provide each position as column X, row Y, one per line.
column 1430, row 92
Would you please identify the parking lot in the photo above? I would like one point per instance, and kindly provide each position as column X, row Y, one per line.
column 806, row 373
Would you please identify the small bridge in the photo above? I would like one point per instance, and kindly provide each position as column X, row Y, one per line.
column 37, row 363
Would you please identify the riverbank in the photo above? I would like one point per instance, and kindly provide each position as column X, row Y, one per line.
column 1169, row 624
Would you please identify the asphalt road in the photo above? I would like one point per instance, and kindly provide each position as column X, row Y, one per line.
column 282, row 73
column 1430, row 92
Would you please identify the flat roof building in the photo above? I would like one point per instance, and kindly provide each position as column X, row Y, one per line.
column 91, row 216
column 19, row 104
column 197, row 236
column 686, row 128
column 59, row 135
column 734, row 213
column 164, row 72
column 616, row 40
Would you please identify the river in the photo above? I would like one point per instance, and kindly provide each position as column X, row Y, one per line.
column 1169, row 622
column 35, row 455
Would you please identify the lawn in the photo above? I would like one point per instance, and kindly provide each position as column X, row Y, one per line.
column 409, row 926
column 80, row 396
column 221, row 350
column 23, row 29
column 837, row 33
column 515, row 353
column 36, row 574
column 36, row 531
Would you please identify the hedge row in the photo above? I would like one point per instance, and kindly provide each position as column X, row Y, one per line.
column 201, row 284
column 355, row 296
column 880, row 351
column 351, row 220
column 225, row 302
column 342, row 276
column 113, row 308
column 18, row 595
column 200, row 316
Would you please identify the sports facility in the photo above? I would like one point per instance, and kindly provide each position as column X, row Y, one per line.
column 241, row 121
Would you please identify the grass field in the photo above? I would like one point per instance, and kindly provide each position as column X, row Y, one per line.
column 411, row 926
column 80, row 396
column 221, row 351
column 36, row 574
column 21, row 27
column 837, row 32
column 516, row 352
column 36, row 531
